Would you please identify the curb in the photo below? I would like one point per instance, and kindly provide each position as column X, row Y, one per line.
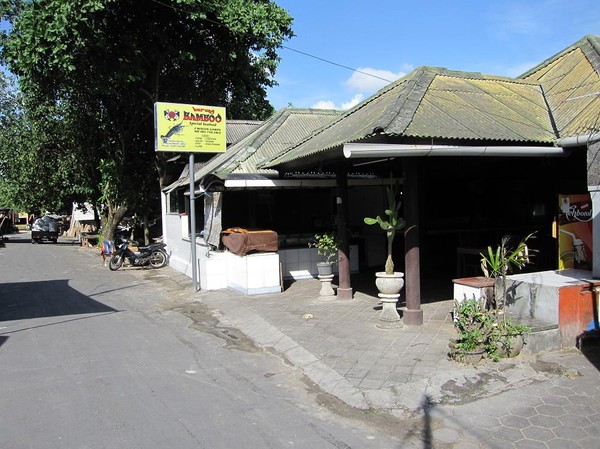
column 265, row 336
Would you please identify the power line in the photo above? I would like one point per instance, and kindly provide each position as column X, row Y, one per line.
column 284, row 46
column 335, row 63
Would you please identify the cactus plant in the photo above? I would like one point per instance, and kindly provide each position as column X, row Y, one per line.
column 391, row 225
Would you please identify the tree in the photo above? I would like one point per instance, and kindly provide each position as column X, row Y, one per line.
column 108, row 61
column 32, row 175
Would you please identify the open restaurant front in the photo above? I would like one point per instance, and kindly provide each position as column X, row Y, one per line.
column 466, row 204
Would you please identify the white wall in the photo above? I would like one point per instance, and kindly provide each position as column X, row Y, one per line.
column 252, row 274
column 301, row 263
column 178, row 246
column 79, row 215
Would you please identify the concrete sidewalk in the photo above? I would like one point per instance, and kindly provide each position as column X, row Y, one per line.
column 548, row 400
column 338, row 346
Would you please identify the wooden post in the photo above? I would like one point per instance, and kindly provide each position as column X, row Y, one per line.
column 345, row 289
column 413, row 315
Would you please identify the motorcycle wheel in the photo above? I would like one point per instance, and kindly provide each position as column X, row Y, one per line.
column 158, row 259
column 115, row 262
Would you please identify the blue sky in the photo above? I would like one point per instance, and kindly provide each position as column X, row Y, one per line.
column 389, row 38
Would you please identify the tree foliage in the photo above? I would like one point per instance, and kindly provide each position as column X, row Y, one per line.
column 91, row 70
column 35, row 173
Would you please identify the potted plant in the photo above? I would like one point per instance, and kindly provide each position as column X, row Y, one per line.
column 389, row 282
column 390, row 226
column 474, row 327
column 506, row 339
column 504, row 260
column 327, row 245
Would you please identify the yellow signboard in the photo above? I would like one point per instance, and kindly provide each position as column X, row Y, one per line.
column 188, row 127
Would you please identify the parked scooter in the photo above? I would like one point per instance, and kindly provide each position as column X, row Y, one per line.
column 153, row 255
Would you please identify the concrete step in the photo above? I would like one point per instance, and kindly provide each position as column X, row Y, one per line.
column 542, row 340
column 543, row 336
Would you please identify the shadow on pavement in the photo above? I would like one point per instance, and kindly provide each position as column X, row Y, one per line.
column 25, row 237
column 589, row 345
column 432, row 290
column 24, row 300
column 16, row 237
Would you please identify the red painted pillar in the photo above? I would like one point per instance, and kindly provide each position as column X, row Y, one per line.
column 413, row 315
column 344, row 290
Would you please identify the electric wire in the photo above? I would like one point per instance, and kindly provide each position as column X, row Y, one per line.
column 327, row 61
column 284, row 46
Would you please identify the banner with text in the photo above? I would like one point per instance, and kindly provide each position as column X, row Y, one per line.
column 188, row 127
column 575, row 219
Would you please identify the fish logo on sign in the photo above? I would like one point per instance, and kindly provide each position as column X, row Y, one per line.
column 171, row 116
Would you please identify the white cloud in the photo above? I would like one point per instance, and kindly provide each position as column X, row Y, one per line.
column 324, row 104
column 369, row 80
column 365, row 81
column 328, row 104
column 353, row 102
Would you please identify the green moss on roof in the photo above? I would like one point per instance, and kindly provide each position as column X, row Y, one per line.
column 570, row 81
column 436, row 103
column 284, row 129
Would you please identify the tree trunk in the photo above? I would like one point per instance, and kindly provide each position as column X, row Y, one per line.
column 164, row 178
column 114, row 217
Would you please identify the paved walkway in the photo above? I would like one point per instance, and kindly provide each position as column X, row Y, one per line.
column 549, row 400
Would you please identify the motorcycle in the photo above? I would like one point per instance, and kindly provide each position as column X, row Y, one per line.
column 153, row 255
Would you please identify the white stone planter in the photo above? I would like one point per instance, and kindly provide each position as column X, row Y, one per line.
column 389, row 286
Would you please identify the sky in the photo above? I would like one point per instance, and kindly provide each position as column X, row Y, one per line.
column 390, row 38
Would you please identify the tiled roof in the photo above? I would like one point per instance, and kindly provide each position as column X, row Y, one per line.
column 460, row 106
column 238, row 129
column 184, row 176
column 435, row 103
column 571, row 84
column 282, row 130
column 558, row 98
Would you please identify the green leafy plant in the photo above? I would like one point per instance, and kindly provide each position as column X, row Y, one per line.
column 499, row 263
column 470, row 341
column 504, row 260
column 480, row 329
column 474, row 326
column 327, row 245
column 508, row 327
column 391, row 225
column 503, row 334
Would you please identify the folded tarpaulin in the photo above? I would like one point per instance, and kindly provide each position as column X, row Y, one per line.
column 241, row 241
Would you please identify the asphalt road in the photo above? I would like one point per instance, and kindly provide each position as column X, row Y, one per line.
column 91, row 358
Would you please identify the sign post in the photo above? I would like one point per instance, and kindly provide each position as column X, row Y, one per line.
column 193, row 129
column 193, row 223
